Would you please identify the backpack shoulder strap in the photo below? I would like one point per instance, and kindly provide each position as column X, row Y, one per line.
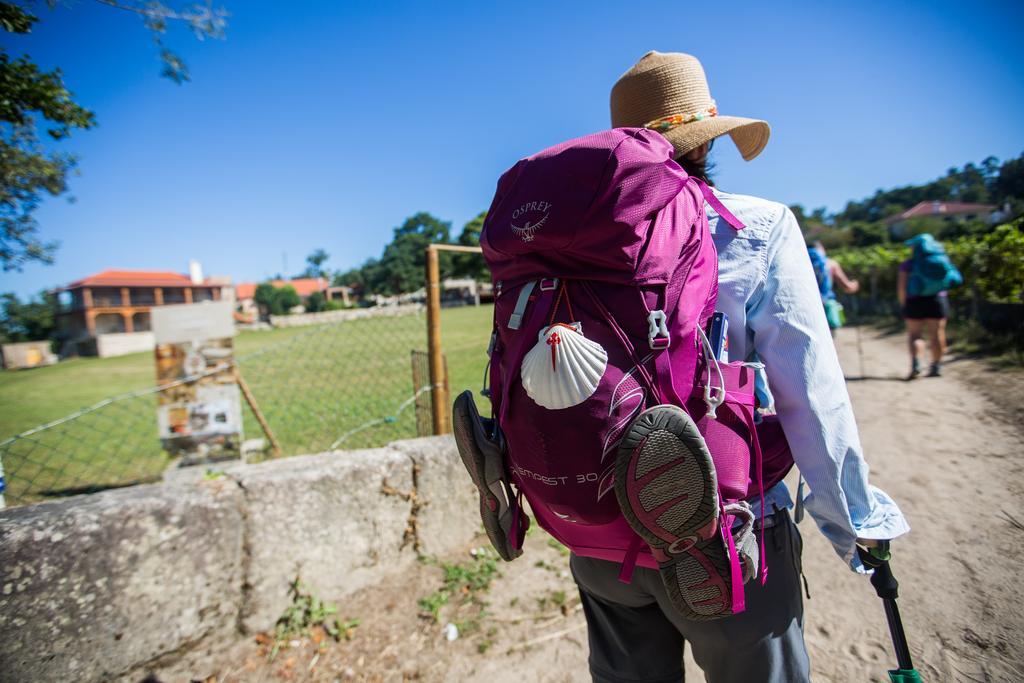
column 717, row 205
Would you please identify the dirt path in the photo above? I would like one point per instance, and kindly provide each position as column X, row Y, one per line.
column 947, row 449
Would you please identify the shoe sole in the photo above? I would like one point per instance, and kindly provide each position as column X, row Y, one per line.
column 665, row 480
column 494, row 503
column 667, row 488
column 698, row 581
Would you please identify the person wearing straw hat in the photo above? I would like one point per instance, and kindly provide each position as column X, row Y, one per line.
column 769, row 292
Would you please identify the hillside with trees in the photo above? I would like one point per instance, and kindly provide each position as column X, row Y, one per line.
column 860, row 224
column 991, row 256
column 400, row 268
column 863, row 223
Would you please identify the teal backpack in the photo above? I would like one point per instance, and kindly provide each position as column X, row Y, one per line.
column 931, row 271
column 833, row 309
column 820, row 265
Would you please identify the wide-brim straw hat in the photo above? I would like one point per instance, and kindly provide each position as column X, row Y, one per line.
column 668, row 92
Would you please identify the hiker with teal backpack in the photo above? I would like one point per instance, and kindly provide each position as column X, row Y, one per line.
column 921, row 289
column 828, row 272
column 645, row 326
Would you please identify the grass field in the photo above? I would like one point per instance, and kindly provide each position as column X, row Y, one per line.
column 318, row 386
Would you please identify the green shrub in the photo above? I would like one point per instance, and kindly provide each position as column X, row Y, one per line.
column 276, row 301
column 992, row 265
column 316, row 302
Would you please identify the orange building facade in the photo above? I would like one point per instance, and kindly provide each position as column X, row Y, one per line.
column 118, row 301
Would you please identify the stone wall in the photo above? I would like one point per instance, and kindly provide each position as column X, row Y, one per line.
column 123, row 343
column 109, row 585
column 300, row 319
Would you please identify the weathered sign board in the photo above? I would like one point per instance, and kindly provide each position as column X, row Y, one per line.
column 199, row 411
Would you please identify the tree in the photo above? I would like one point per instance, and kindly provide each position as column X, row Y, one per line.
column 286, row 299
column 276, row 300
column 29, row 321
column 354, row 277
column 971, row 185
column 365, row 279
column 866, row 234
column 264, row 297
column 316, row 302
column 31, row 98
column 315, row 263
column 471, row 265
column 403, row 263
column 1010, row 183
column 28, row 95
column 990, row 169
column 205, row 21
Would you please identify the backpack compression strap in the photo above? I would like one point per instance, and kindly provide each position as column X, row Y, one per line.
column 748, row 415
column 518, row 347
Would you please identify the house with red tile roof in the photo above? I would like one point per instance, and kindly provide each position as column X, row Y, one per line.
column 304, row 286
column 245, row 293
column 961, row 211
column 118, row 302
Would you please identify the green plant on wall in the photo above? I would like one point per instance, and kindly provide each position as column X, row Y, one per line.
column 464, row 580
column 305, row 612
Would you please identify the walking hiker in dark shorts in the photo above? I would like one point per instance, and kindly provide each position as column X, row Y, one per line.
column 767, row 289
column 927, row 310
column 924, row 315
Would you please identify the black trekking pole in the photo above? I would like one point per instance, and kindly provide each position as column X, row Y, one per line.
column 860, row 352
column 860, row 347
column 887, row 588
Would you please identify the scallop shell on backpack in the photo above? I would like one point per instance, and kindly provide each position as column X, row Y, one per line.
column 564, row 368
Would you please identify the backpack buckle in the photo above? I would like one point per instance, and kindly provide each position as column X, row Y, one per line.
column 657, row 331
column 548, row 284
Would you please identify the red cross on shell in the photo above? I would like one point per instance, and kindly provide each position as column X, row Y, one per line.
column 553, row 341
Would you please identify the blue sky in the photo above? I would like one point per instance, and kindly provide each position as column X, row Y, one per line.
column 325, row 124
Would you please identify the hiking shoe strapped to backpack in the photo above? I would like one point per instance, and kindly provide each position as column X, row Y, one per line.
column 667, row 487
column 481, row 447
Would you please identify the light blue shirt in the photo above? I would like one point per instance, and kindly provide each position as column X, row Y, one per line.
column 767, row 288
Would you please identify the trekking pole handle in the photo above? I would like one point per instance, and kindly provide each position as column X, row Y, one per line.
column 882, row 578
column 885, row 583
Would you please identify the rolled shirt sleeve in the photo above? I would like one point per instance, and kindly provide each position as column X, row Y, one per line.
column 791, row 336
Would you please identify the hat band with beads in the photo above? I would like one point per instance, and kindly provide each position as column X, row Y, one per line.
column 667, row 123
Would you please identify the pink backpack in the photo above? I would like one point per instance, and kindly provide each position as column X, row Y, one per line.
column 607, row 236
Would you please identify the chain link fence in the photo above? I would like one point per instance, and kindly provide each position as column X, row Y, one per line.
column 349, row 384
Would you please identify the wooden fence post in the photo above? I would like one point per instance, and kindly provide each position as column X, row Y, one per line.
column 438, row 371
column 437, row 389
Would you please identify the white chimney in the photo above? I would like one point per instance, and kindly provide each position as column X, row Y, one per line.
column 195, row 272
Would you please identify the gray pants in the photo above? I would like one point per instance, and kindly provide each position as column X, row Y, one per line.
column 636, row 635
